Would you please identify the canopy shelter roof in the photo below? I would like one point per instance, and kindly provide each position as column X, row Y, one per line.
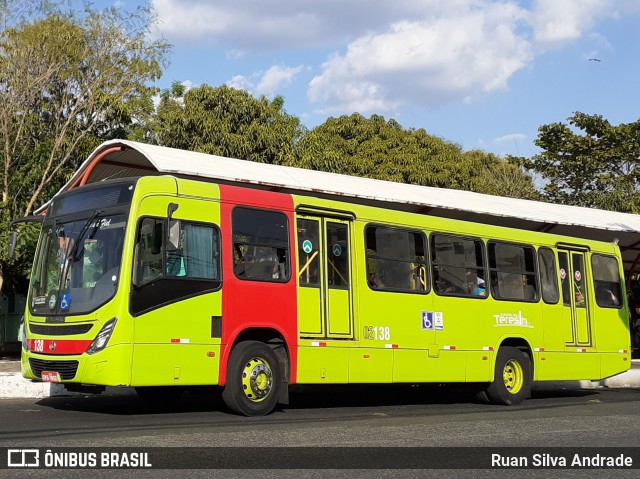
column 120, row 159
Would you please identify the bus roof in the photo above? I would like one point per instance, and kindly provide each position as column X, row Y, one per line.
column 121, row 158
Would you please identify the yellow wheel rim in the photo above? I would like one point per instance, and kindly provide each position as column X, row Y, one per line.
column 513, row 376
column 257, row 379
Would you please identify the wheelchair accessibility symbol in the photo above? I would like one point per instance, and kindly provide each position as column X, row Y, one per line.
column 427, row 320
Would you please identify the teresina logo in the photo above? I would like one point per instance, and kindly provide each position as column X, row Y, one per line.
column 511, row 319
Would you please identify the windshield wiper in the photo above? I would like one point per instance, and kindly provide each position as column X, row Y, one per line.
column 76, row 253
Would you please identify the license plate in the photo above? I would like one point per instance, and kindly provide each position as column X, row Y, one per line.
column 50, row 376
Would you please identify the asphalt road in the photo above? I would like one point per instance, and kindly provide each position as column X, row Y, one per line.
column 331, row 417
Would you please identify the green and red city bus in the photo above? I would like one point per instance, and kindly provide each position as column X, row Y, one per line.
column 163, row 283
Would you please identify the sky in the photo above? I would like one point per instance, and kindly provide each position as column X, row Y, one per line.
column 480, row 73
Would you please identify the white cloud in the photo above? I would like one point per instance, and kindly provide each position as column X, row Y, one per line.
column 188, row 85
column 387, row 54
column 240, row 82
column 260, row 25
column 234, row 54
column 557, row 21
column 511, row 138
column 464, row 52
column 269, row 83
column 275, row 78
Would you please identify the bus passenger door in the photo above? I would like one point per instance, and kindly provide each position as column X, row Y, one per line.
column 324, row 278
column 576, row 314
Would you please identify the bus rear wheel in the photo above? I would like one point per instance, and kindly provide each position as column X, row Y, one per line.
column 253, row 379
column 512, row 379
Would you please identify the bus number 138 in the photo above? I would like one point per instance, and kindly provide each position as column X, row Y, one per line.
column 376, row 333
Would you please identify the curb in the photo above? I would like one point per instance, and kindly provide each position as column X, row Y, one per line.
column 14, row 386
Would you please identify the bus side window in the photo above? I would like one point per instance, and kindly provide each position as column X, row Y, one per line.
column 150, row 242
column 548, row 276
column 458, row 266
column 606, row 280
column 396, row 259
column 260, row 245
column 513, row 271
column 196, row 256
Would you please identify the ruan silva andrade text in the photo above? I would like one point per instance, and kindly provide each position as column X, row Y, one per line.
column 549, row 460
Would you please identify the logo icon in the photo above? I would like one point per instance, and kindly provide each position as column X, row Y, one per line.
column 52, row 301
column 307, row 247
column 23, row 457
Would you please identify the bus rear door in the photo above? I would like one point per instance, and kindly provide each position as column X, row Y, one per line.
column 577, row 315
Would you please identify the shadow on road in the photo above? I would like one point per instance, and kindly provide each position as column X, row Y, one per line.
column 307, row 397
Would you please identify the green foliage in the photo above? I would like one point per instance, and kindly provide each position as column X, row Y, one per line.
column 68, row 81
column 227, row 122
column 589, row 162
column 380, row 149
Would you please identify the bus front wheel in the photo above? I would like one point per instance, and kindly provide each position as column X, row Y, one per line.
column 253, row 379
column 512, row 379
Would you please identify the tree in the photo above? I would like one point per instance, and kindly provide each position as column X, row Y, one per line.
column 227, row 122
column 502, row 177
column 67, row 82
column 381, row 149
column 589, row 162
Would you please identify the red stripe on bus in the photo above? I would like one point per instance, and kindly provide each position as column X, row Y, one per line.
column 59, row 346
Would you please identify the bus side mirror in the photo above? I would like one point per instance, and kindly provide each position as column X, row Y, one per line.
column 173, row 228
column 13, row 239
column 173, row 240
column 13, row 235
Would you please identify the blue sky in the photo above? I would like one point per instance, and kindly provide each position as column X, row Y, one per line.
column 484, row 74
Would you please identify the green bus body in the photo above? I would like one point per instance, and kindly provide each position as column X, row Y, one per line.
column 319, row 319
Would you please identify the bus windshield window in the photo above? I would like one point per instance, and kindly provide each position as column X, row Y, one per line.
column 76, row 279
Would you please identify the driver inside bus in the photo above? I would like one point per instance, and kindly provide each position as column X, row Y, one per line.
column 92, row 268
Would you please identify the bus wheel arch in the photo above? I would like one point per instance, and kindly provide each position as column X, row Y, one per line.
column 513, row 373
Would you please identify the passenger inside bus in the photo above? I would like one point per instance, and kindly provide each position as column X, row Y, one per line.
column 265, row 264
column 475, row 285
column 579, row 297
column 374, row 281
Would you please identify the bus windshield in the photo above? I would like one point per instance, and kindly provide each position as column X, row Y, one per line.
column 77, row 265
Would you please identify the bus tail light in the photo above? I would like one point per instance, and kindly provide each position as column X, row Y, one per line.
column 103, row 336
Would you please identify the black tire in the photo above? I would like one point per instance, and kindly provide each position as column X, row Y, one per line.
column 254, row 379
column 512, row 377
column 160, row 395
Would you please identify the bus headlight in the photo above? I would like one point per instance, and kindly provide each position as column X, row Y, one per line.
column 23, row 336
column 103, row 337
